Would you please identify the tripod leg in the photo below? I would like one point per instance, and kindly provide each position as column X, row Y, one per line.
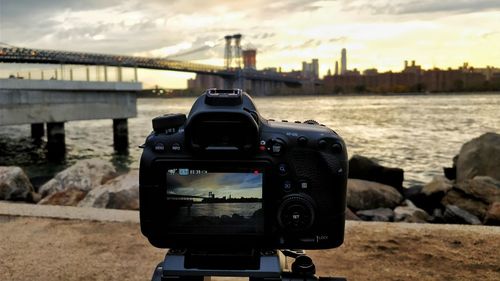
column 157, row 273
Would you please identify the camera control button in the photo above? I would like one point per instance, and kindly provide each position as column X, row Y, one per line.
column 275, row 146
column 159, row 146
column 283, row 169
column 287, row 185
column 322, row 143
column 302, row 141
column 303, row 185
column 176, row 147
column 336, row 147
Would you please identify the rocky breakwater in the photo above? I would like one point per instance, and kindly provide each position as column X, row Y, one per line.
column 467, row 193
column 87, row 183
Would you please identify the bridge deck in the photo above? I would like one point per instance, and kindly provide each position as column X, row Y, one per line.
column 29, row 55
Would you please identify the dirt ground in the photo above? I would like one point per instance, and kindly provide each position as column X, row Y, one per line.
column 52, row 249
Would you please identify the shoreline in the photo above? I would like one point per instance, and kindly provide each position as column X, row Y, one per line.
column 342, row 95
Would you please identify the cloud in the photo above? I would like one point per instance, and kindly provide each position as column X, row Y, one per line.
column 422, row 6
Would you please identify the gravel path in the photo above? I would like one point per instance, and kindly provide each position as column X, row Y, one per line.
column 55, row 249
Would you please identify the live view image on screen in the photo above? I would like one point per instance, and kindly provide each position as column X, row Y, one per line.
column 215, row 202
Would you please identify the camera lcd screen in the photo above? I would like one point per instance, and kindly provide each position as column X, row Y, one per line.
column 214, row 202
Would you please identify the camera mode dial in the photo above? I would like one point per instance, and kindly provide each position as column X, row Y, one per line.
column 296, row 212
column 168, row 123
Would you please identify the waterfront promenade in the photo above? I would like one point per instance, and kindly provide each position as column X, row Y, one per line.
column 97, row 247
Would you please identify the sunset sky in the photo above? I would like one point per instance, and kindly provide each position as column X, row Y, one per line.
column 376, row 33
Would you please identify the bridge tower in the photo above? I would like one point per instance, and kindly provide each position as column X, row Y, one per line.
column 237, row 50
column 228, row 58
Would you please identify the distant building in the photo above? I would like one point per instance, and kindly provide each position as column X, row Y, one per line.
column 250, row 59
column 310, row 70
column 370, row 71
column 413, row 68
column 343, row 62
column 412, row 79
column 337, row 67
column 205, row 81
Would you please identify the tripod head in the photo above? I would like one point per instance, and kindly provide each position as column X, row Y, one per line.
column 257, row 265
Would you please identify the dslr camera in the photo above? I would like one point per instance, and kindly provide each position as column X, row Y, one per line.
column 224, row 177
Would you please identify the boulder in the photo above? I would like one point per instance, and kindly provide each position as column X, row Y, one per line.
column 480, row 157
column 451, row 172
column 84, row 175
column 483, row 188
column 431, row 194
column 470, row 204
column 492, row 216
column 410, row 213
column 366, row 169
column 379, row 214
column 454, row 214
column 349, row 215
column 438, row 186
column 119, row 193
column 367, row 195
column 15, row 184
column 68, row 197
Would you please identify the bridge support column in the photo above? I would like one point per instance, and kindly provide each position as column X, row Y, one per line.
column 105, row 74
column 120, row 135
column 119, row 74
column 228, row 83
column 56, row 144
column 37, row 131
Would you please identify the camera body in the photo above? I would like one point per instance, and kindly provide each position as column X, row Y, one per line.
column 226, row 178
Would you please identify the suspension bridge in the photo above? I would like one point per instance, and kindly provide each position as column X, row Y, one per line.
column 53, row 102
column 12, row 54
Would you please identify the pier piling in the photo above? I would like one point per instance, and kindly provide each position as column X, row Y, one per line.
column 37, row 131
column 120, row 135
column 56, row 143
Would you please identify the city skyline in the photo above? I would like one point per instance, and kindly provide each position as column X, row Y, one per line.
column 376, row 34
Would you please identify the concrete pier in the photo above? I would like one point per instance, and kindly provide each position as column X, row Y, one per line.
column 55, row 102
column 37, row 131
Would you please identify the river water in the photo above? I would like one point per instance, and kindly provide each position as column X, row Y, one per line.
column 419, row 133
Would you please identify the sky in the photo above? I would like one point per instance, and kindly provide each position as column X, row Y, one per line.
column 248, row 185
column 376, row 33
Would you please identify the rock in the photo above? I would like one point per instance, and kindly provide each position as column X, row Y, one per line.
column 451, row 172
column 437, row 216
column 68, row 197
column 379, row 214
column 482, row 188
column 492, row 216
column 410, row 213
column 119, row 193
column 84, row 175
column 458, row 198
column 439, row 185
column 367, row 195
column 366, row 169
column 349, row 215
column 454, row 214
column 432, row 193
column 480, row 157
column 15, row 184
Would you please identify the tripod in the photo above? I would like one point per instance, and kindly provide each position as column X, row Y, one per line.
column 257, row 265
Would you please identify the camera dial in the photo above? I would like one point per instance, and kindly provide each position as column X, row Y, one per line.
column 168, row 123
column 296, row 212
